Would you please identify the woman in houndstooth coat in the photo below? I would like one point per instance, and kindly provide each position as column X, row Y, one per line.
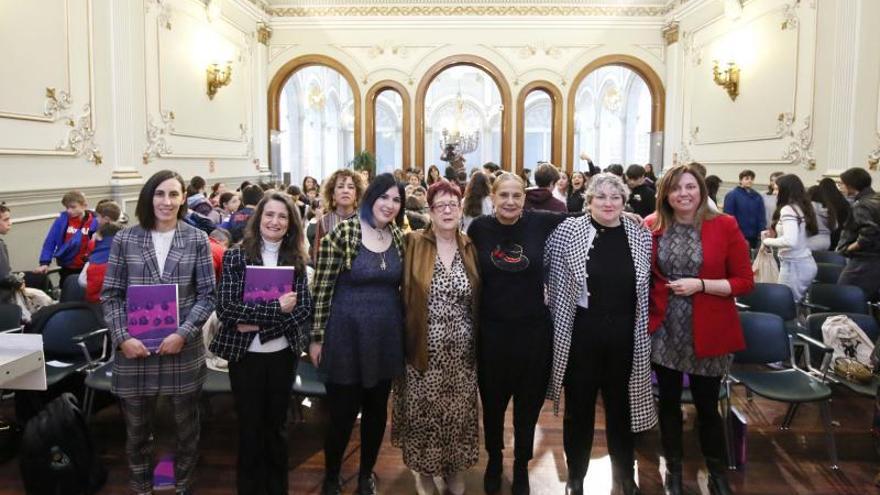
column 598, row 279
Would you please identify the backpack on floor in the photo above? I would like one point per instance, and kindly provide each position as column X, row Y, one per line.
column 57, row 456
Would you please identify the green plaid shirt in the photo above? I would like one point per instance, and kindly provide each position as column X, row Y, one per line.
column 338, row 250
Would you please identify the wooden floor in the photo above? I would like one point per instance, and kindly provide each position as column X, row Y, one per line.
column 779, row 462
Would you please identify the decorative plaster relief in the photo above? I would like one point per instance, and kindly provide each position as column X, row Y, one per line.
column 81, row 137
column 783, row 126
column 800, row 149
column 56, row 102
column 156, row 137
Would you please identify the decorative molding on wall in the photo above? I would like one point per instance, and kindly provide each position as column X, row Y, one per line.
column 800, row 146
column 81, row 137
column 458, row 9
column 785, row 121
column 843, row 84
column 670, row 33
column 56, row 102
column 157, row 146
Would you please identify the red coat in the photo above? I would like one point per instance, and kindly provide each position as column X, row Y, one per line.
column 716, row 326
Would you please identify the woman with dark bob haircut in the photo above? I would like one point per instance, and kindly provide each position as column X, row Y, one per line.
column 160, row 250
column 262, row 341
column 358, row 344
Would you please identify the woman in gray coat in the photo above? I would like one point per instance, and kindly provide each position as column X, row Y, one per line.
column 161, row 249
column 599, row 271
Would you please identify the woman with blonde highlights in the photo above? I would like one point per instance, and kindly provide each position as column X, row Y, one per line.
column 340, row 195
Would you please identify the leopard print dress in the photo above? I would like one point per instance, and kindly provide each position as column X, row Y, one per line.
column 435, row 420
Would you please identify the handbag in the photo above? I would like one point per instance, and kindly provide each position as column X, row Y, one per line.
column 765, row 268
column 852, row 370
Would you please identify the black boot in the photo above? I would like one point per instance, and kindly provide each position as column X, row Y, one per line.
column 366, row 485
column 623, row 477
column 718, row 484
column 672, row 484
column 574, row 486
column 520, row 484
column 492, row 476
column 331, row 486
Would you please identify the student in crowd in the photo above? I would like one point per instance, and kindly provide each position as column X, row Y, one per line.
column 616, row 169
column 747, row 206
column 515, row 340
column 357, row 338
column 417, row 210
column 92, row 276
column 650, row 175
column 227, row 205
column 563, row 187
column 220, row 240
column 342, row 193
column 412, row 179
column 794, row 221
column 68, row 239
column 600, row 320
column 825, row 222
column 433, row 175
column 713, row 184
column 195, row 190
column 526, row 176
column 575, row 202
column 833, row 201
column 160, row 249
column 489, row 168
column 436, row 414
column 769, row 197
column 700, row 263
column 641, row 197
column 477, row 200
column 5, row 227
column 263, row 341
column 860, row 238
column 251, row 195
column 541, row 197
column 309, row 184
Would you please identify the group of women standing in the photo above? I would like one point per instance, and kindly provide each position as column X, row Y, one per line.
column 527, row 306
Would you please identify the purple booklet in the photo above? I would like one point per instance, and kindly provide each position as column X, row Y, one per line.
column 152, row 313
column 263, row 284
column 163, row 475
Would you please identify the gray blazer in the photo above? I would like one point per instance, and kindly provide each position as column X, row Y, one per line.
column 133, row 262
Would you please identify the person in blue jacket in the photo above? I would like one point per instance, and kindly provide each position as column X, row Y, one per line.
column 747, row 206
column 68, row 238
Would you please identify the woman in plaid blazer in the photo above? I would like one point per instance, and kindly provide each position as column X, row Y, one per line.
column 262, row 341
column 161, row 249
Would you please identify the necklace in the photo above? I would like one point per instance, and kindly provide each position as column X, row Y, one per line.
column 380, row 233
column 382, row 265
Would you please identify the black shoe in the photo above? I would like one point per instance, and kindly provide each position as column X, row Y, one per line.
column 672, row 484
column 492, row 476
column 520, row 484
column 331, row 486
column 367, row 485
column 718, row 484
column 574, row 487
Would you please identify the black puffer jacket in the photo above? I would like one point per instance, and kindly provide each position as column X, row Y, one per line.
column 863, row 225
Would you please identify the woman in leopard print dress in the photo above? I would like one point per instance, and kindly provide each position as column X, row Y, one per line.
column 435, row 420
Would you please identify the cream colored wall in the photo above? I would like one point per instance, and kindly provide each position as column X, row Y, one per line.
column 809, row 88
column 119, row 70
column 524, row 50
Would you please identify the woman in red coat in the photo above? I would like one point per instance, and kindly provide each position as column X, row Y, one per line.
column 700, row 263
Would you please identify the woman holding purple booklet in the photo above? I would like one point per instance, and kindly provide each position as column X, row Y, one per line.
column 160, row 251
column 265, row 323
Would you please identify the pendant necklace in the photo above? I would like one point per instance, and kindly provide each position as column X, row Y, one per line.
column 382, row 265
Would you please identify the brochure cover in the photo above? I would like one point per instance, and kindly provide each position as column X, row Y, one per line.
column 163, row 475
column 152, row 313
column 263, row 284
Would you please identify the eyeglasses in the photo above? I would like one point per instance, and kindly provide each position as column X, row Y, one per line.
column 445, row 206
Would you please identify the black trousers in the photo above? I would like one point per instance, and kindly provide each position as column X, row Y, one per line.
column 600, row 360
column 514, row 362
column 344, row 402
column 262, row 385
column 705, row 392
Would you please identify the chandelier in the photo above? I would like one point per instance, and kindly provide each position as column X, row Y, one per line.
column 459, row 140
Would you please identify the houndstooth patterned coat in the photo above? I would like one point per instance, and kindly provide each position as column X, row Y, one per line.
column 565, row 261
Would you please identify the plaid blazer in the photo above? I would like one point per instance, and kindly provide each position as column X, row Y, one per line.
column 229, row 343
column 338, row 249
column 133, row 262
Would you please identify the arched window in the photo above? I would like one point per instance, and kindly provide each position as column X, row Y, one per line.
column 615, row 110
column 468, row 98
column 315, row 106
column 388, row 121
column 539, row 125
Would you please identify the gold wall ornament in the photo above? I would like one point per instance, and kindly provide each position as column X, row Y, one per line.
column 81, row 137
column 56, row 102
column 218, row 77
column 727, row 79
column 264, row 33
column 800, row 149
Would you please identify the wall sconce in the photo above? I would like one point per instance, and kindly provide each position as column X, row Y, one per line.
column 218, row 77
column 728, row 79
